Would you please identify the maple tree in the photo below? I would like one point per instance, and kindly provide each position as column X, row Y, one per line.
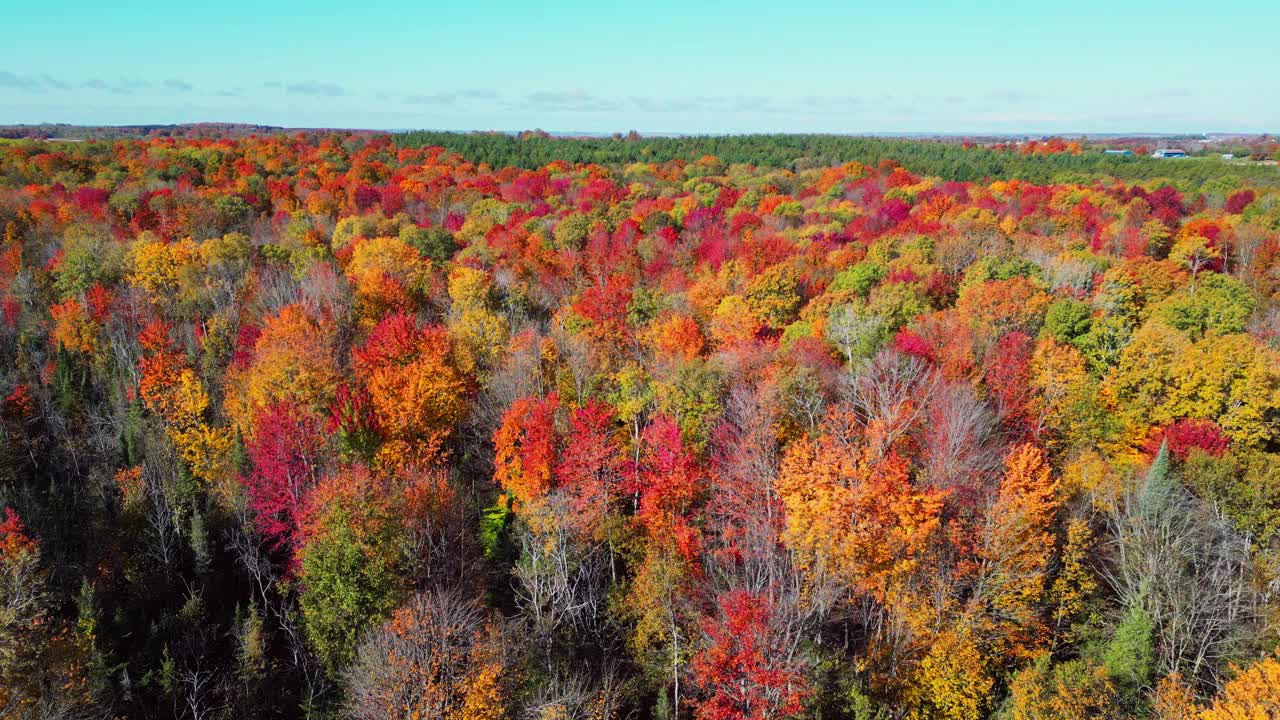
column 742, row 671
column 414, row 388
column 285, row 455
column 856, row 508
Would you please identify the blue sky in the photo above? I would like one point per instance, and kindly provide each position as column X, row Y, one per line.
column 658, row 66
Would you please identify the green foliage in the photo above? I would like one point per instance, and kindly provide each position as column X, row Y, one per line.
column 1068, row 319
column 89, row 256
column 494, row 521
column 691, row 396
column 860, row 278
column 1130, row 655
column 1245, row 485
column 436, row 244
column 70, row 380
column 947, row 161
column 856, row 331
column 1102, row 344
column 571, row 232
column 1005, row 267
column 232, row 210
column 1158, row 486
column 1217, row 303
column 774, row 296
column 345, row 590
column 646, row 304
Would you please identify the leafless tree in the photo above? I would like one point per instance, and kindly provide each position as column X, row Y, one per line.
column 960, row 442
column 417, row 663
column 745, row 550
column 1178, row 559
column 893, row 390
column 561, row 579
column 166, row 541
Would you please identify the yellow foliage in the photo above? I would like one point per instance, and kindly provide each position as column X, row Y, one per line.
column 1075, row 583
column 479, row 334
column 1089, row 472
column 734, row 321
column 1162, row 376
column 484, row 697
column 1253, row 695
column 294, row 361
column 1058, row 372
column 156, row 264
column 1174, row 700
column 180, row 401
column 387, row 274
column 1075, row 690
column 954, row 682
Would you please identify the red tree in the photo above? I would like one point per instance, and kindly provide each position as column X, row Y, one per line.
column 1187, row 435
column 284, row 455
column 746, row 671
column 590, row 466
column 668, row 481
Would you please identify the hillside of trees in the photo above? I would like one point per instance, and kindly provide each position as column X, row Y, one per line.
column 475, row 427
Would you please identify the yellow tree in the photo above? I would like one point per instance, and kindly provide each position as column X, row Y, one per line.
column 172, row 391
column 388, row 274
column 1253, row 695
column 1018, row 546
column 417, row 392
column 1066, row 403
column 1073, row 690
column 164, row 270
column 479, row 333
column 955, row 680
column 1231, row 379
column 294, row 361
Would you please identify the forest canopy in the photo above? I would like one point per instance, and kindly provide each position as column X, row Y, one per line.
column 478, row 426
column 944, row 160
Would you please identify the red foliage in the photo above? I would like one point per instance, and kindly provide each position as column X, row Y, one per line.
column 590, row 466
column 13, row 536
column 668, row 480
column 525, row 448
column 746, row 671
column 910, row 343
column 1187, row 435
column 1239, row 201
column 605, row 307
column 1007, row 372
column 284, row 456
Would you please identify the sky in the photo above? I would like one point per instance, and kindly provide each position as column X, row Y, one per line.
column 659, row 66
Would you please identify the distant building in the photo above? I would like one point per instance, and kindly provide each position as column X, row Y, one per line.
column 1122, row 151
column 1169, row 153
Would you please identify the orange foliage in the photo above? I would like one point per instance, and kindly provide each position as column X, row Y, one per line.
column 417, row 393
column 1254, row 694
column 294, row 361
column 855, row 508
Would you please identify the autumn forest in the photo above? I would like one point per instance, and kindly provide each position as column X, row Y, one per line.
column 477, row 426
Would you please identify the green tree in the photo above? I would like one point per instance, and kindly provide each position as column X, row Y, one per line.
column 1068, row 319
